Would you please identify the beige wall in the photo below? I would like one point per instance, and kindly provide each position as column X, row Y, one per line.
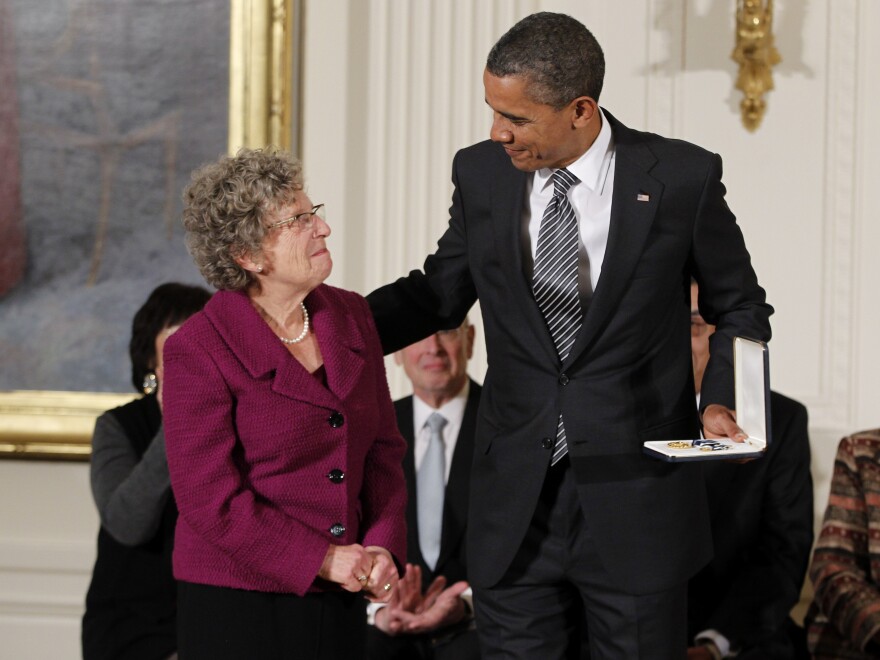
column 392, row 89
column 48, row 528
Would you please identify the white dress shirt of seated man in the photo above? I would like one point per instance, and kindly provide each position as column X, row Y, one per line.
column 437, row 368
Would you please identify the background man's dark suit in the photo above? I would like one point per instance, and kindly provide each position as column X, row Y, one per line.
column 762, row 527
column 451, row 563
column 628, row 377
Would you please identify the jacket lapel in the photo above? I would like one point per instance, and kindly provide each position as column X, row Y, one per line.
column 508, row 198
column 455, row 505
column 631, row 218
column 341, row 341
column 264, row 356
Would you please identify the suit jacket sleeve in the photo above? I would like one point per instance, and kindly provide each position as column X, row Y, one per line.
column 768, row 582
column 730, row 297
column 384, row 489
column 436, row 299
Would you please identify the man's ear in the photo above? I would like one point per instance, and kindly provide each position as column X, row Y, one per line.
column 584, row 110
column 470, row 332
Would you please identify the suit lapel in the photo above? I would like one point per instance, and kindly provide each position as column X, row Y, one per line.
column 458, row 487
column 631, row 218
column 508, row 198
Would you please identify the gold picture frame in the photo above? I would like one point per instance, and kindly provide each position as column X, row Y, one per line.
column 263, row 110
column 52, row 425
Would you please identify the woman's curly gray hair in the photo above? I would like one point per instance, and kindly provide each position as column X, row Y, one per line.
column 225, row 205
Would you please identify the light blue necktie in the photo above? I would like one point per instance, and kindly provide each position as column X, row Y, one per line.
column 431, row 491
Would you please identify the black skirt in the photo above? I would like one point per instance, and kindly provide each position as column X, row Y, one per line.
column 217, row 623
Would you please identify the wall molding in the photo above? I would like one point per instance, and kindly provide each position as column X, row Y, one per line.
column 44, row 579
column 835, row 404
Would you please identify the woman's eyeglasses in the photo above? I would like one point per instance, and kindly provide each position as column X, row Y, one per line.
column 301, row 221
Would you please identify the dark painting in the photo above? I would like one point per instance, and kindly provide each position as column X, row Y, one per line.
column 106, row 106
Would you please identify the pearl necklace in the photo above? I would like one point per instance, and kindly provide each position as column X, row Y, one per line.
column 305, row 330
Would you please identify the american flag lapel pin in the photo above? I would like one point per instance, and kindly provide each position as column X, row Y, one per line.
column 642, row 197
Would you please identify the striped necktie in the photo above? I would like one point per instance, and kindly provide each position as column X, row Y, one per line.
column 555, row 282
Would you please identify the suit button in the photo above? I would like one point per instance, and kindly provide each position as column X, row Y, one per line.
column 337, row 530
column 336, row 476
column 563, row 379
column 336, row 420
column 547, row 443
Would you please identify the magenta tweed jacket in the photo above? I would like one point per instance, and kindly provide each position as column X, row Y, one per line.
column 269, row 466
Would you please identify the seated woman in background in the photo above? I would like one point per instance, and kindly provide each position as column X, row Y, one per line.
column 283, row 447
column 843, row 620
column 130, row 606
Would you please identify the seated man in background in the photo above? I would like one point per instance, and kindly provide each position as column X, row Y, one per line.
column 762, row 530
column 430, row 616
column 844, row 618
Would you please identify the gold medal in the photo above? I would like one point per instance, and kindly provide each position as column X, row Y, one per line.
column 679, row 444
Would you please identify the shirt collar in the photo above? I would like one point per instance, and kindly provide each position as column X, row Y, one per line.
column 590, row 168
column 451, row 410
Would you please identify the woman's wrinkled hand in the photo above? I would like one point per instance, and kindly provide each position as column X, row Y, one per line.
column 383, row 577
column 349, row 566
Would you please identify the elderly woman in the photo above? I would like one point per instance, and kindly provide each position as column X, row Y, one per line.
column 131, row 605
column 284, row 453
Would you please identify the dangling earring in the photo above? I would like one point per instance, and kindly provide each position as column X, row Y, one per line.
column 150, row 384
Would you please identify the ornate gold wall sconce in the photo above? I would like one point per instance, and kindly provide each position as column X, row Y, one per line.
column 756, row 54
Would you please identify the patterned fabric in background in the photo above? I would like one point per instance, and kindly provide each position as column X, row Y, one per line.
column 844, row 617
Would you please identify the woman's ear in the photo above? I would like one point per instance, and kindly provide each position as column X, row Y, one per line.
column 248, row 263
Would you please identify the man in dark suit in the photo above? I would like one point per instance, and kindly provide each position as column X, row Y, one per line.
column 579, row 237
column 426, row 619
column 762, row 528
